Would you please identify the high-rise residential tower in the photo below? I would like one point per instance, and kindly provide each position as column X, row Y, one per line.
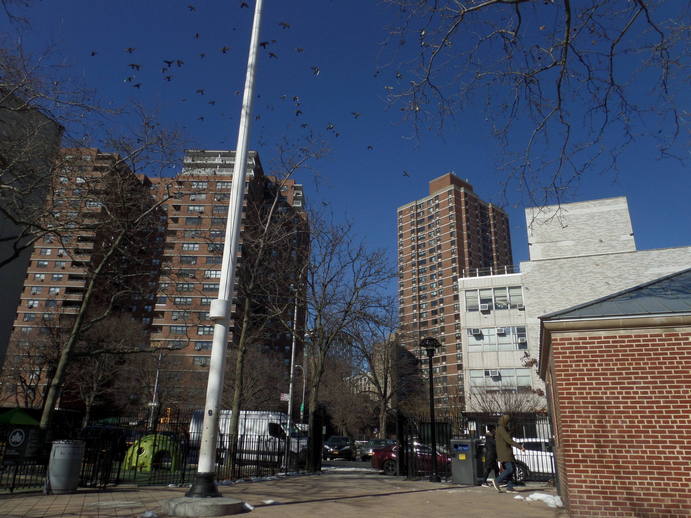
column 447, row 234
column 273, row 242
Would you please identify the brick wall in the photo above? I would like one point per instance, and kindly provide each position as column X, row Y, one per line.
column 622, row 403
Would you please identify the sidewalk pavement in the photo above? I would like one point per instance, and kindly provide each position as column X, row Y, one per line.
column 332, row 494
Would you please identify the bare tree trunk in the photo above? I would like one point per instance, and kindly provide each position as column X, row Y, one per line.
column 238, row 388
column 66, row 353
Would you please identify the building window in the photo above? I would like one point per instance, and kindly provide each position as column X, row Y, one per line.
column 193, row 221
column 178, row 330
column 515, row 296
column 188, row 259
column 40, row 276
column 190, row 247
column 57, row 276
column 53, row 290
column 212, row 274
column 205, row 330
column 202, row 346
column 201, row 361
column 35, row 290
column 205, row 301
column 184, row 286
column 200, row 185
column 29, row 317
column 215, row 247
column 207, row 286
column 195, row 208
column 223, row 185
column 45, row 251
column 42, row 264
column 214, row 259
column 182, row 301
column 220, row 209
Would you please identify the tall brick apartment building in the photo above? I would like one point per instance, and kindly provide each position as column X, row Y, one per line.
column 191, row 266
column 93, row 198
column 171, row 268
column 617, row 375
column 441, row 237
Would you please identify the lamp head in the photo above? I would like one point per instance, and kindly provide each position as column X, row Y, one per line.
column 430, row 345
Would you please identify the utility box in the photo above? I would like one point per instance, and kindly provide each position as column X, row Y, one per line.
column 464, row 462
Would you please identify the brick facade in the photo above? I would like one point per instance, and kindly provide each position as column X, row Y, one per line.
column 621, row 406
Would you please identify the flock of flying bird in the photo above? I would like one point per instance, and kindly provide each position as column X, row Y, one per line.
column 169, row 66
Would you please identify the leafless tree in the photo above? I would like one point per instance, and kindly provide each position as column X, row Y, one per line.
column 273, row 255
column 391, row 372
column 345, row 282
column 351, row 409
column 566, row 86
column 507, row 401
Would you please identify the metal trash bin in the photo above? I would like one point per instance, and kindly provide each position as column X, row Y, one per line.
column 464, row 461
column 64, row 466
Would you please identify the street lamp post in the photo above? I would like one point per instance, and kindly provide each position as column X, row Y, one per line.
column 431, row 345
column 204, row 484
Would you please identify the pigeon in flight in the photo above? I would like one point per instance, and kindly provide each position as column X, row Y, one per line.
column 224, row 50
column 130, row 50
column 135, row 66
column 284, row 25
column 315, row 70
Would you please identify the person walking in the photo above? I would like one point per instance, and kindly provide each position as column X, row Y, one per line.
column 490, row 455
column 504, row 443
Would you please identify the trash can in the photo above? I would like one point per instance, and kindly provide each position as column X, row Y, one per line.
column 464, row 461
column 64, row 466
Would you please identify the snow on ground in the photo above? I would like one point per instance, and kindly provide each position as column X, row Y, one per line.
column 551, row 500
column 348, row 468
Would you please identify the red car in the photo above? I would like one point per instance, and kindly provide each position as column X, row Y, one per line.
column 385, row 459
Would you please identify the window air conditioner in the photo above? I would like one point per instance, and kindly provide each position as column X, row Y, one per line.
column 198, row 347
column 520, row 307
column 475, row 332
column 501, row 330
column 522, row 340
column 484, row 307
column 175, row 317
column 494, row 374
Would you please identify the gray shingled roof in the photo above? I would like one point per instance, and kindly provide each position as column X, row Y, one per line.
column 670, row 294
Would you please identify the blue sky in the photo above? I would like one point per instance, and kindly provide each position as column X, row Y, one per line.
column 344, row 40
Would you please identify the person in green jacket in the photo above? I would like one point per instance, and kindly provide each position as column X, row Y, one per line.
column 505, row 454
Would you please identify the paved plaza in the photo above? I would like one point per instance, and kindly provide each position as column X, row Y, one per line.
column 331, row 494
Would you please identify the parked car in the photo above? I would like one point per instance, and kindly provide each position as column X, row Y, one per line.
column 365, row 451
column 338, row 446
column 385, row 459
column 537, row 457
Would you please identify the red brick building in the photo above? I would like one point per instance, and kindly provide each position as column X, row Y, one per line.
column 618, row 379
column 447, row 234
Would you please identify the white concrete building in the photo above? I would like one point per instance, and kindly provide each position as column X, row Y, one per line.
column 578, row 252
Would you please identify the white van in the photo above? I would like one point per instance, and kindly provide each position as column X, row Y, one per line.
column 261, row 437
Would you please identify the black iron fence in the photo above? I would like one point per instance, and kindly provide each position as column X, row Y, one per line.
column 534, row 431
column 162, row 451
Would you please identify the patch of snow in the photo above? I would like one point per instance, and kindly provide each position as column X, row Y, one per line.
column 149, row 514
column 518, row 497
column 551, row 500
column 269, row 502
column 247, row 506
column 346, row 468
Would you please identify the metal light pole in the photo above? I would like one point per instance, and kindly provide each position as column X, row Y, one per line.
column 204, row 484
column 431, row 345
column 154, row 397
column 292, row 373
column 304, row 383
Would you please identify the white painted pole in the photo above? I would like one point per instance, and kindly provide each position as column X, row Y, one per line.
column 292, row 373
column 219, row 312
